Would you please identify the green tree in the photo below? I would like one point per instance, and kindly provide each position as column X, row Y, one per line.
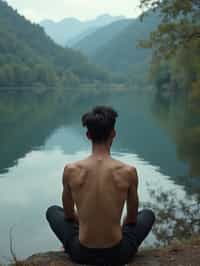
column 180, row 21
column 176, row 44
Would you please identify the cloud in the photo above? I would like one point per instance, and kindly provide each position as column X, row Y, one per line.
column 37, row 10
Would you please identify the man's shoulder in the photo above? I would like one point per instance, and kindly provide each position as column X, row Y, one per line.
column 71, row 168
column 125, row 172
column 124, row 166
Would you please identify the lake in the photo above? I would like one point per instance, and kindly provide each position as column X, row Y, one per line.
column 40, row 133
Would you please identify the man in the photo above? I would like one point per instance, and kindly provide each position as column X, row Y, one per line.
column 99, row 186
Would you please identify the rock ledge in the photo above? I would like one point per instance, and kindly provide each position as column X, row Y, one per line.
column 178, row 254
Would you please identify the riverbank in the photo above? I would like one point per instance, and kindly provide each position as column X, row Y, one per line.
column 185, row 253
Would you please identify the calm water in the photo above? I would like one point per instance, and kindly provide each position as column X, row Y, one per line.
column 40, row 134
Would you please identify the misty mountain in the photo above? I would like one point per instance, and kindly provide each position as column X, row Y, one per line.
column 72, row 42
column 121, row 53
column 95, row 40
column 70, row 28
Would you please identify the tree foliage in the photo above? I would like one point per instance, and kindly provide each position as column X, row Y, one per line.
column 180, row 24
column 176, row 45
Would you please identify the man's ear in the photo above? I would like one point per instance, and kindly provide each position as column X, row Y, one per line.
column 88, row 135
column 113, row 133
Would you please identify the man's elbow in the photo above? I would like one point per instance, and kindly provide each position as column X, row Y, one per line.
column 130, row 219
column 68, row 215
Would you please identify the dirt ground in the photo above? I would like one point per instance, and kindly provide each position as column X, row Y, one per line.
column 185, row 253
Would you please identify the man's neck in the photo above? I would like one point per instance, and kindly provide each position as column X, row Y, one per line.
column 100, row 150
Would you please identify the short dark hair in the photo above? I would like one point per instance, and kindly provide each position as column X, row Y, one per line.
column 100, row 121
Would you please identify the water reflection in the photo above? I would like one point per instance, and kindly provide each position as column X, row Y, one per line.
column 39, row 134
column 176, row 218
column 181, row 119
column 28, row 122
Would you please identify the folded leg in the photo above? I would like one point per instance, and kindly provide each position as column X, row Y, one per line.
column 63, row 228
column 136, row 233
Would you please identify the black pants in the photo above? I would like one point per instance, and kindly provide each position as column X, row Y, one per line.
column 133, row 234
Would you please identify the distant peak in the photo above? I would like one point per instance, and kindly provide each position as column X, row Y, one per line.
column 47, row 21
column 108, row 17
column 69, row 19
column 64, row 20
column 104, row 16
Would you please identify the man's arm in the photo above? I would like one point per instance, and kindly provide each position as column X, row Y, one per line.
column 67, row 200
column 132, row 199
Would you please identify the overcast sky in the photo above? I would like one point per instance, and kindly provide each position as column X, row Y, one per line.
column 37, row 10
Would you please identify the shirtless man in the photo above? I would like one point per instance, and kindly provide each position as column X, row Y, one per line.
column 99, row 186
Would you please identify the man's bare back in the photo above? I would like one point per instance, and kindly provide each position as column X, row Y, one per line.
column 99, row 187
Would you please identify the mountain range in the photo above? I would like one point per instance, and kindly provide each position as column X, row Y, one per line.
column 110, row 42
column 69, row 29
column 95, row 40
column 116, row 46
column 122, row 52
column 28, row 55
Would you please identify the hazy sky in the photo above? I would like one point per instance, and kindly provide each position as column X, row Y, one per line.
column 37, row 10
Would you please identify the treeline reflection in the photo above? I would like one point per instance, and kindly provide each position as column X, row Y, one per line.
column 180, row 117
column 27, row 120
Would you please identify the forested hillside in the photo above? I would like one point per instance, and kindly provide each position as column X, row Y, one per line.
column 91, row 43
column 28, row 57
column 122, row 52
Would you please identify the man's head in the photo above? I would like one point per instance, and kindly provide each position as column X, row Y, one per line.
column 100, row 123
